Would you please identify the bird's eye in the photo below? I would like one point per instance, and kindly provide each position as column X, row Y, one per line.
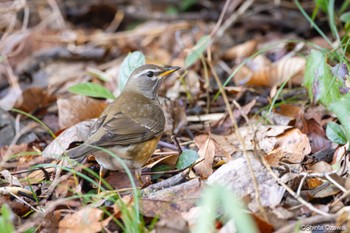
column 150, row 74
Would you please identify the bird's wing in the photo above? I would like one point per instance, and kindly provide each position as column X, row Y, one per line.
column 123, row 129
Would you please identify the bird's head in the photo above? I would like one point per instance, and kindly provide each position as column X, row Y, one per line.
column 147, row 79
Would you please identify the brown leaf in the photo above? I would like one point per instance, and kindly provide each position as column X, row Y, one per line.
column 240, row 51
column 33, row 99
column 37, row 176
column 175, row 116
column 316, row 134
column 289, row 110
column 321, row 167
column 175, row 224
column 172, row 201
column 291, row 146
column 17, row 206
column 120, row 180
column 85, row 220
column 76, row 133
column 78, row 108
column 312, row 183
column 207, row 152
column 262, row 224
column 235, row 175
column 254, row 73
column 65, row 187
column 288, row 67
column 263, row 137
column 13, row 149
column 260, row 72
column 225, row 125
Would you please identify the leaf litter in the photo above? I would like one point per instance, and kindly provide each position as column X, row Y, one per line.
column 282, row 155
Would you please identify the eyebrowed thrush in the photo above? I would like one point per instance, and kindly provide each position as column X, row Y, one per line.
column 131, row 125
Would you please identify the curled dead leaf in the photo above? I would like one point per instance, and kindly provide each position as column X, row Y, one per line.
column 291, row 146
column 175, row 116
column 33, row 99
column 206, row 153
column 76, row 133
column 85, row 220
column 240, row 51
column 260, row 71
column 78, row 108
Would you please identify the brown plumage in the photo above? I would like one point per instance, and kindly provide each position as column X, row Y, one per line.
column 131, row 125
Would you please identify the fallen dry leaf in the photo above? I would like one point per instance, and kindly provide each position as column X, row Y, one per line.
column 206, row 153
column 235, row 175
column 260, row 72
column 241, row 51
column 225, row 125
column 77, row 108
column 37, row 176
column 263, row 137
column 76, row 133
column 321, row 167
column 172, row 201
column 175, row 116
column 85, row 220
column 316, row 134
column 17, row 206
column 172, row 225
column 289, row 110
column 33, row 99
column 291, row 147
column 10, row 98
column 65, row 188
column 10, row 179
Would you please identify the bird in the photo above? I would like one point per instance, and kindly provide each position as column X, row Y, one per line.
column 130, row 126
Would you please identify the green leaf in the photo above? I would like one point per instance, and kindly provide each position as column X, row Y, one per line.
column 186, row 159
column 91, row 89
column 186, row 4
column 336, row 133
column 5, row 220
column 323, row 4
column 219, row 199
column 159, row 168
column 130, row 63
column 197, row 50
column 345, row 17
column 319, row 81
column 341, row 108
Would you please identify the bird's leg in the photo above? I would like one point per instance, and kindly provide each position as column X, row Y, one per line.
column 142, row 183
column 101, row 174
column 138, row 176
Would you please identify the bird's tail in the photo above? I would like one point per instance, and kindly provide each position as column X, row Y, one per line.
column 79, row 153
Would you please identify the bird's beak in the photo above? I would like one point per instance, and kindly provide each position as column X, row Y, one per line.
column 169, row 70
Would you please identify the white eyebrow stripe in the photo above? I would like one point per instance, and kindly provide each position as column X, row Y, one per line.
column 155, row 71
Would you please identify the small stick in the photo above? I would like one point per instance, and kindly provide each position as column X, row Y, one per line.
column 177, row 144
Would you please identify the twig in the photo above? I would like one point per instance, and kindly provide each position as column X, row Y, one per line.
column 345, row 194
column 177, row 144
column 223, row 12
column 241, row 139
column 24, row 202
column 167, row 183
column 232, row 19
column 301, row 184
column 167, row 145
column 291, row 192
column 335, row 183
column 321, row 175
